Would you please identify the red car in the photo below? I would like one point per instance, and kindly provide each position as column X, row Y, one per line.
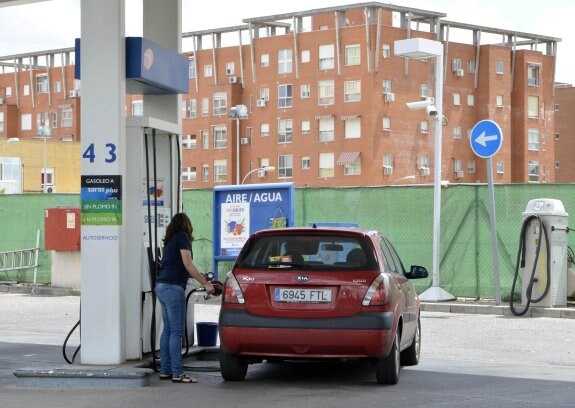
column 319, row 293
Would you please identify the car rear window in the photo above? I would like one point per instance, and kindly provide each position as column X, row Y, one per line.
column 309, row 252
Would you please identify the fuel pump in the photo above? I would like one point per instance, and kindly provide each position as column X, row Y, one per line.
column 542, row 256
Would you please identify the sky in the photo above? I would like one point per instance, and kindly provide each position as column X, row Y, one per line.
column 55, row 24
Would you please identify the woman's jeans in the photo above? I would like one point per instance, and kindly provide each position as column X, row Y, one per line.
column 173, row 301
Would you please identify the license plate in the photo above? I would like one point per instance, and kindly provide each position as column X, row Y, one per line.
column 302, row 295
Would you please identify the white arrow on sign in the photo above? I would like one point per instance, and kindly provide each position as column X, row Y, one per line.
column 482, row 139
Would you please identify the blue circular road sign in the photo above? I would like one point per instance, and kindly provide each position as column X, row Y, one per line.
column 486, row 138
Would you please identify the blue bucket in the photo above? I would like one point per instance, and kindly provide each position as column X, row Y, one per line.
column 207, row 334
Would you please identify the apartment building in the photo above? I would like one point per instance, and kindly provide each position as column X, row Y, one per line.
column 325, row 100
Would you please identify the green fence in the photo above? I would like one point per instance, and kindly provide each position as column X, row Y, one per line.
column 403, row 213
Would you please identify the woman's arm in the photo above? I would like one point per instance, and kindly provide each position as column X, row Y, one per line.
column 193, row 271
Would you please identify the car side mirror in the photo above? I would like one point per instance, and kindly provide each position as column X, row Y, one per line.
column 417, row 272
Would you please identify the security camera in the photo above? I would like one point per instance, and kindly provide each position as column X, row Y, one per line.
column 431, row 110
column 425, row 103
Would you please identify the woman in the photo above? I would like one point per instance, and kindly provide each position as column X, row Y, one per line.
column 177, row 267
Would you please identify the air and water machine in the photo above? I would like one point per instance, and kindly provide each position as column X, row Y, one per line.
column 542, row 256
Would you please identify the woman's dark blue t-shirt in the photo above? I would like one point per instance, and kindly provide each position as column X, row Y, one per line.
column 173, row 269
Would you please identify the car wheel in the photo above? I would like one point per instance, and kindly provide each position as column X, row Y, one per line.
column 387, row 368
column 233, row 368
column 410, row 356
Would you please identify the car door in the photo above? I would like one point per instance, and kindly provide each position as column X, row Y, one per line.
column 407, row 293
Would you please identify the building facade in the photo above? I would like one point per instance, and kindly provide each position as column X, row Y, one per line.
column 564, row 133
column 325, row 100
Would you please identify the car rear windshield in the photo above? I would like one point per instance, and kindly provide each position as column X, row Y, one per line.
column 308, row 252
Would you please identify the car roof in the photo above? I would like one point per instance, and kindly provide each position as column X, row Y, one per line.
column 362, row 232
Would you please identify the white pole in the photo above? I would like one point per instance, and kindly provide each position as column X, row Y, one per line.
column 44, row 177
column 238, row 149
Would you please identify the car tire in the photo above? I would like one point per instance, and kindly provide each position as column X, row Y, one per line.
column 410, row 356
column 232, row 368
column 387, row 368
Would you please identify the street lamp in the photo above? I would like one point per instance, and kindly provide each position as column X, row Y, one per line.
column 423, row 48
column 238, row 112
column 265, row 169
column 44, row 132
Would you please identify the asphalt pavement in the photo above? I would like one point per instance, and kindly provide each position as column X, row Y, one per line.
column 34, row 323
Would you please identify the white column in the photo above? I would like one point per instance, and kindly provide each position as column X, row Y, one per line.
column 103, row 154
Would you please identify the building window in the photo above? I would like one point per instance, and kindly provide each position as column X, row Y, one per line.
column 305, row 162
column 457, row 132
column 57, row 87
column 264, row 60
column 66, row 116
column 352, row 128
column 556, row 105
column 205, row 106
column 471, row 166
column 26, row 90
column 533, row 139
column 456, row 64
column 470, row 100
column 305, row 127
column 265, row 94
column 456, row 98
column 220, row 137
column 326, row 92
column 285, row 131
column 285, row 97
column 386, row 51
column 533, row 75
column 54, row 119
column 533, row 170
column 326, row 129
column 230, row 68
column 305, row 91
column 208, row 71
column 220, row 102
column 192, row 108
column 352, row 54
column 42, row 84
column 220, row 171
column 47, row 177
column 557, row 136
column 326, row 164
column 205, row 172
column 1, row 121
column 387, row 86
column 285, row 61
column 500, row 167
column 499, row 67
column 353, row 169
column 326, row 56
column 188, row 141
column 499, row 101
column 424, row 163
column 264, row 129
column 471, row 66
column 386, row 123
column 352, row 91
column 8, row 91
column 205, row 135
column 305, row 56
column 423, row 126
column 42, row 119
column 188, row 174
column 457, row 166
column 192, row 73
column 138, row 108
column 556, row 165
column 532, row 106
column 388, row 164
column 424, row 90
column 285, row 166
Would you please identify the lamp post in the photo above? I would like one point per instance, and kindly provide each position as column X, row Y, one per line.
column 423, row 48
column 238, row 112
column 265, row 169
column 44, row 132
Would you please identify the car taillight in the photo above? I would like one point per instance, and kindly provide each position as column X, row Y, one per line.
column 232, row 291
column 378, row 291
